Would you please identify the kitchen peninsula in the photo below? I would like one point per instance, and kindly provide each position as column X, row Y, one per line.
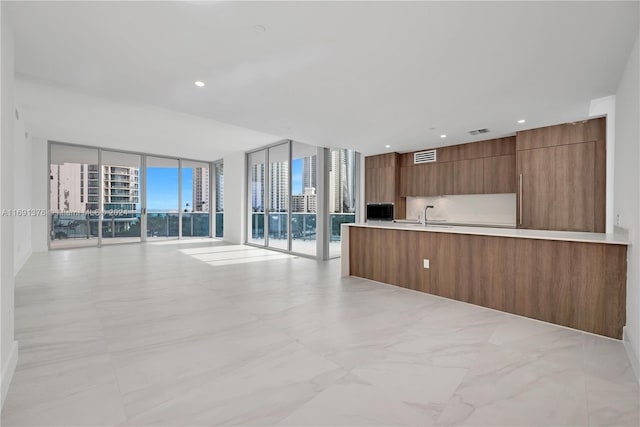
column 571, row 279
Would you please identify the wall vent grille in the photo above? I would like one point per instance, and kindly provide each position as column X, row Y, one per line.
column 424, row 157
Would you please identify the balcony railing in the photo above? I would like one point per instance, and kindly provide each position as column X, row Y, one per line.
column 303, row 225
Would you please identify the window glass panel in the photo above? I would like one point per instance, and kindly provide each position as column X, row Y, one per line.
column 162, row 198
column 121, row 197
column 195, row 199
column 303, row 198
column 219, row 206
column 342, row 194
column 74, row 214
column 279, row 197
column 256, row 197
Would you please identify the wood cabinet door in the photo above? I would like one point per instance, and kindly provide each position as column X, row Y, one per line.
column 499, row 174
column 468, row 176
column 557, row 188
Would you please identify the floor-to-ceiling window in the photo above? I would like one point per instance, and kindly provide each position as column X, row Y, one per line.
column 278, row 197
column 256, row 192
column 195, row 197
column 304, row 198
column 218, row 183
column 342, row 194
column 121, row 204
column 74, row 196
column 99, row 196
column 163, row 197
column 288, row 185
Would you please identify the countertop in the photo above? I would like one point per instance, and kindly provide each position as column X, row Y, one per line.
column 569, row 236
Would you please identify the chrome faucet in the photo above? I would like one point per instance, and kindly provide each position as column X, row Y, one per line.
column 424, row 218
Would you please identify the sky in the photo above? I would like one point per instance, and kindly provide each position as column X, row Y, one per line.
column 296, row 176
column 162, row 189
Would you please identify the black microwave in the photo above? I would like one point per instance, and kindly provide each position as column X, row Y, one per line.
column 380, row 212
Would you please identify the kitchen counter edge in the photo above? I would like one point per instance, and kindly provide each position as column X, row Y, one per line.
column 568, row 236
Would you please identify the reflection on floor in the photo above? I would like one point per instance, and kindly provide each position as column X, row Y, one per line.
column 151, row 335
column 233, row 254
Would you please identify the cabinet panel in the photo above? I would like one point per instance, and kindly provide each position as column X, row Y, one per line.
column 575, row 187
column 569, row 133
column 500, row 146
column 558, row 188
column 468, row 176
column 499, row 174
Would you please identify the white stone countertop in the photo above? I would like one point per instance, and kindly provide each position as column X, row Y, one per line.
column 494, row 230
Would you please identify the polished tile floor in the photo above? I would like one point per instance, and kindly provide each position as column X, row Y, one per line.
column 167, row 334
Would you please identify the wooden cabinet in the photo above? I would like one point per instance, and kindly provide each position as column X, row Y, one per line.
column 382, row 180
column 576, row 284
column 561, row 177
column 468, row 176
column 483, row 167
column 557, row 188
column 568, row 133
column 499, row 174
column 428, row 179
column 380, row 185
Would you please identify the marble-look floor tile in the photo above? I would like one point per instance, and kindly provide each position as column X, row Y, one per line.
column 143, row 335
column 355, row 404
column 261, row 391
column 508, row 388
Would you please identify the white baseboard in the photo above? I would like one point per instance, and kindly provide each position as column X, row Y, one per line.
column 9, row 370
column 633, row 357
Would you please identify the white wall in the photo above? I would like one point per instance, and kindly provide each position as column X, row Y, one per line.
column 8, row 345
column 22, row 183
column 39, row 171
column 235, row 201
column 627, row 189
column 471, row 208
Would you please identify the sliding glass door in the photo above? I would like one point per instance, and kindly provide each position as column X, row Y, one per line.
column 278, row 197
column 120, row 174
column 74, row 196
column 163, row 198
column 195, row 197
column 256, row 193
column 304, row 198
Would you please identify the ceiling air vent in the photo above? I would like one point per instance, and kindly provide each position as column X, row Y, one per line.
column 424, row 157
column 479, row 131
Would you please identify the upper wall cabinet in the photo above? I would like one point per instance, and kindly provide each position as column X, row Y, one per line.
column 561, row 177
column 484, row 167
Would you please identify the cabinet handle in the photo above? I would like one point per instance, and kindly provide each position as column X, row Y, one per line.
column 520, row 190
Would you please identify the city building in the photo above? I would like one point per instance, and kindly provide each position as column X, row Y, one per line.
column 305, row 202
column 201, row 190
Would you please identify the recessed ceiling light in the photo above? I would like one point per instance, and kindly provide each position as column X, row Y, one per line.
column 387, row 146
column 199, row 83
column 443, row 136
column 521, row 121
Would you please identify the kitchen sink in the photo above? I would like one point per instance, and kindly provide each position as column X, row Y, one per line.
column 430, row 226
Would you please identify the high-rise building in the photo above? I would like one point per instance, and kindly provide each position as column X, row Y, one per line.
column 306, row 202
column 279, row 187
column 68, row 188
column 121, row 188
column 200, row 190
column 309, row 172
column 342, row 181
column 219, row 175
column 257, row 187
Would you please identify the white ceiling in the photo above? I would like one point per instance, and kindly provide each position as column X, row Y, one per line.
column 352, row 74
